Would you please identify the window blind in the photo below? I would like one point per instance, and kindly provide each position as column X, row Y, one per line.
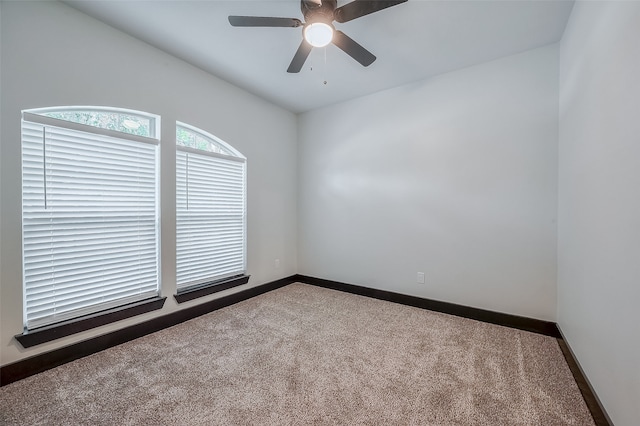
column 90, row 222
column 210, row 217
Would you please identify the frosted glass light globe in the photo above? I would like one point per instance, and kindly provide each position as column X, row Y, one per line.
column 318, row 34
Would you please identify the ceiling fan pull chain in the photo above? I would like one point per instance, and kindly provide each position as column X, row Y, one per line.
column 325, row 65
column 313, row 60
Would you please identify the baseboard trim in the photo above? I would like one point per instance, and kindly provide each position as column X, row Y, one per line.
column 547, row 328
column 42, row 362
column 28, row 367
column 599, row 414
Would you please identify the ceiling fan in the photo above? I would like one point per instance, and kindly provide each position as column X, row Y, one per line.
column 318, row 30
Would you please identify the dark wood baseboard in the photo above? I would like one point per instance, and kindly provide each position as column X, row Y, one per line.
column 42, row 362
column 38, row 363
column 599, row 414
column 547, row 328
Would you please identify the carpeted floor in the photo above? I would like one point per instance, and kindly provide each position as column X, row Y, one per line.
column 307, row 355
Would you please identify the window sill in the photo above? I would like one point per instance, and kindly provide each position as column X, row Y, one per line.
column 66, row 328
column 210, row 288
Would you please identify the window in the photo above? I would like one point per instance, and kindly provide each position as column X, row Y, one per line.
column 210, row 210
column 89, row 211
column 131, row 122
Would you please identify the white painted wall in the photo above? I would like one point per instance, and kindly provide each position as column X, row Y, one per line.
column 599, row 208
column 454, row 176
column 54, row 55
column 1, row 222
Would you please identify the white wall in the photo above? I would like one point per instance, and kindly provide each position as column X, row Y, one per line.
column 454, row 176
column 1, row 222
column 599, row 208
column 53, row 55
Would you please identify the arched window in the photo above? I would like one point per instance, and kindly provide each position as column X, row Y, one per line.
column 116, row 119
column 210, row 210
column 192, row 137
column 89, row 211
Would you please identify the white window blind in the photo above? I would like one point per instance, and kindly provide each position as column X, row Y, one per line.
column 210, row 215
column 90, row 220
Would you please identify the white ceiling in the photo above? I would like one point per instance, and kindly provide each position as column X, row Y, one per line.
column 413, row 41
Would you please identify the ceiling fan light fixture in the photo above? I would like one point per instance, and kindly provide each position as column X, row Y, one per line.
column 318, row 29
column 318, row 34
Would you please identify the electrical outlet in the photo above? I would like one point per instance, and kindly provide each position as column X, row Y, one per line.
column 420, row 278
column 276, row 263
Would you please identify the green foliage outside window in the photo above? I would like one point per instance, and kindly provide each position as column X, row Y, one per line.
column 190, row 139
column 120, row 122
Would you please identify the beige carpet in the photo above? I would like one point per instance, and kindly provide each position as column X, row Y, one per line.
column 306, row 355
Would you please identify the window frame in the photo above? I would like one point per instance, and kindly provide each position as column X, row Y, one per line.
column 154, row 119
column 52, row 330
column 208, row 286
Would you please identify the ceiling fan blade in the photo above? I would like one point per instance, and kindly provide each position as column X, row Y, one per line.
column 353, row 49
column 260, row 21
column 300, row 57
column 358, row 8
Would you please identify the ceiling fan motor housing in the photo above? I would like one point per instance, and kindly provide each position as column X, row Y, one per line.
column 313, row 11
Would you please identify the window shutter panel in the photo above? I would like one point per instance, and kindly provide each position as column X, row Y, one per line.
column 210, row 217
column 90, row 222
